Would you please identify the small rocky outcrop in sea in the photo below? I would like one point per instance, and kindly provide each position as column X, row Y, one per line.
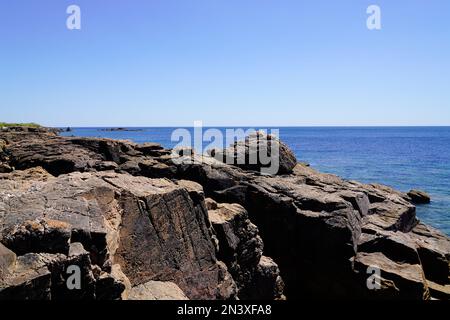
column 419, row 197
column 140, row 224
column 121, row 129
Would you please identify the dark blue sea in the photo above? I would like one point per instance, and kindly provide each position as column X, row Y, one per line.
column 402, row 157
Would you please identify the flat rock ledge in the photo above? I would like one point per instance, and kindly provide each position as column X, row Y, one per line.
column 140, row 222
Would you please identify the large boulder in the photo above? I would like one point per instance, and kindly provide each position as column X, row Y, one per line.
column 259, row 152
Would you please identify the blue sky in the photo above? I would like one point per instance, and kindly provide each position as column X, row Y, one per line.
column 225, row 62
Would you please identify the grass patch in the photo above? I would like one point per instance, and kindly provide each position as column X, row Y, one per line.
column 31, row 124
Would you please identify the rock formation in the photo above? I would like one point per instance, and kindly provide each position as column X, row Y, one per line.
column 255, row 151
column 419, row 197
column 141, row 222
column 241, row 248
column 153, row 229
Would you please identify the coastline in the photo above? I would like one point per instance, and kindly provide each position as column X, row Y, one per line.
column 299, row 234
column 403, row 158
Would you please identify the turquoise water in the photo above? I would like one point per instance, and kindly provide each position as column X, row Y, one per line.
column 401, row 157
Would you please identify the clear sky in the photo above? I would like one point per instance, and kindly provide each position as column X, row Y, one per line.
column 226, row 62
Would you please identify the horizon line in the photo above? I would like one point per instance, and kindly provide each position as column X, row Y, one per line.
column 255, row 126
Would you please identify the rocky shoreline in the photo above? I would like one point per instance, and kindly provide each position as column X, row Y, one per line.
column 141, row 224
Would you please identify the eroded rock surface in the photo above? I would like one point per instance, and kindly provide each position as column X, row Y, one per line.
column 241, row 248
column 151, row 228
column 317, row 227
column 256, row 152
column 112, row 203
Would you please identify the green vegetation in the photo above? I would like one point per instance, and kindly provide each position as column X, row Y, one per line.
column 31, row 124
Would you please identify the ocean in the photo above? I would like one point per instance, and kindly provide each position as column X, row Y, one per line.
column 401, row 157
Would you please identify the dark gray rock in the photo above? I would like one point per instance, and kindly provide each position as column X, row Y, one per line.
column 310, row 221
column 39, row 235
column 258, row 152
column 322, row 232
column 117, row 218
column 113, row 285
column 267, row 283
column 28, row 279
column 397, row 280
column 240, row 248
column 419, row 197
